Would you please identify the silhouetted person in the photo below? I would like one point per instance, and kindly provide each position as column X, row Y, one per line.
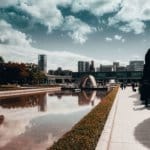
column 133, row 87
column 121, row 86
column 145, row 85
column 124, row 85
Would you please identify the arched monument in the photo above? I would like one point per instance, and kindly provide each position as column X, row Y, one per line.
column 85, row 79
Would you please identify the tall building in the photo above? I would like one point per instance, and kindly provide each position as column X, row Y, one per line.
column 87, row 66
column 92, row 68
column 83, row 66
column 42, row 63
column 115, row 66
column 136, row 65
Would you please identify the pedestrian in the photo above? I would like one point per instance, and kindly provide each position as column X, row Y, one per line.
column 121, row 86
column 133, row 87
column 124, row 85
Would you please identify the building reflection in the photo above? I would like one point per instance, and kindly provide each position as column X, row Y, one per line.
column 40, row 100
column 42, row 104
column 26, row 101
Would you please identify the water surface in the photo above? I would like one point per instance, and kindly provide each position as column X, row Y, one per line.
column 36, row 121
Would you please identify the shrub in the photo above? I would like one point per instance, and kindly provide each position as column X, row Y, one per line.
column 85, row 134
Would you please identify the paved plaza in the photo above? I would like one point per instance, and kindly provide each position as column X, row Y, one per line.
column 128, row 124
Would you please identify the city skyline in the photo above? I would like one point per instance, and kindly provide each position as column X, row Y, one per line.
column 99, row 30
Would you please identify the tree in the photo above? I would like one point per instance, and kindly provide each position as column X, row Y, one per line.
column 20, row 73
column 1, row 59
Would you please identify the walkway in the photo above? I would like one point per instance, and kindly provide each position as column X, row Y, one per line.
column 27, row 91
column 128, row 124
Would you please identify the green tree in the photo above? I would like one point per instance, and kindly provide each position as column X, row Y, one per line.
column 1, row 59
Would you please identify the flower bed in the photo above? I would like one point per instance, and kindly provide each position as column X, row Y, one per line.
column 85, row 134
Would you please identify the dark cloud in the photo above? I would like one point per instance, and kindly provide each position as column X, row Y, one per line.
column 16, row 17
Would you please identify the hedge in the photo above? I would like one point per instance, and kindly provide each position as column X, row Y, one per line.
column 85, row 134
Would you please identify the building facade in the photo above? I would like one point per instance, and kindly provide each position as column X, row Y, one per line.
column 106, row 68
column 136, row 65
column 115, row 66
column 92, row 67
column 83, row 66
column 42, row 63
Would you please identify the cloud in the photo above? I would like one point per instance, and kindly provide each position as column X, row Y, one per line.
column 123, row 40
column 108, row 39
column 133, row 14
column 136, row 26
column 78, row 30
column 10, row 36
column 5, row 3
column 96, row 7
column 117, row 37
column 45, row 12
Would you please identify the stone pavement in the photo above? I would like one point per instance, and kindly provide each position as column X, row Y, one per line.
column 128, row 124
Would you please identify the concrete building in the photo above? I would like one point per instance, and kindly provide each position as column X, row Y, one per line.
column 42, row 63
column 60, row 72
column 92, row 67
column 106, row 68
column 87, row 66
column 136, row 65
column 83, row 66
column 115, row 66
column 121, row 68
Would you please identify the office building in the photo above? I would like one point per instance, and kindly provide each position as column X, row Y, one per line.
column 92, row 68
column 115, row 66
column 106, row 68
column 136, row 65
column 87, row 66
column 83, row 66
column 121, row 69
column 42, row 63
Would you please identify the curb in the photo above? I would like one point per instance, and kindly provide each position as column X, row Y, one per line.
column 28, row 91
column 104, row 140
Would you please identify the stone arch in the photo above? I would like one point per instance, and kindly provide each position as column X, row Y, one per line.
column 84, row 81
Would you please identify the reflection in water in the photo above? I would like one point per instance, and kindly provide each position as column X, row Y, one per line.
column 86, row 98
column 42, row 104
column 40, row 119
column 25, row 101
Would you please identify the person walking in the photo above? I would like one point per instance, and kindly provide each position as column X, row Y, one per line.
column 121, row 86
column 133, row 87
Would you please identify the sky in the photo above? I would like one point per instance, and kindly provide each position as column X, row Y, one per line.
column 71, row 30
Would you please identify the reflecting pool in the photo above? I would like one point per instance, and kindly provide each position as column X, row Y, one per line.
column 36, row 121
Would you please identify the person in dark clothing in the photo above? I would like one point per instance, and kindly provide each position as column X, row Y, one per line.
column 133, row 87
column 121, row 86
column 145, row 85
